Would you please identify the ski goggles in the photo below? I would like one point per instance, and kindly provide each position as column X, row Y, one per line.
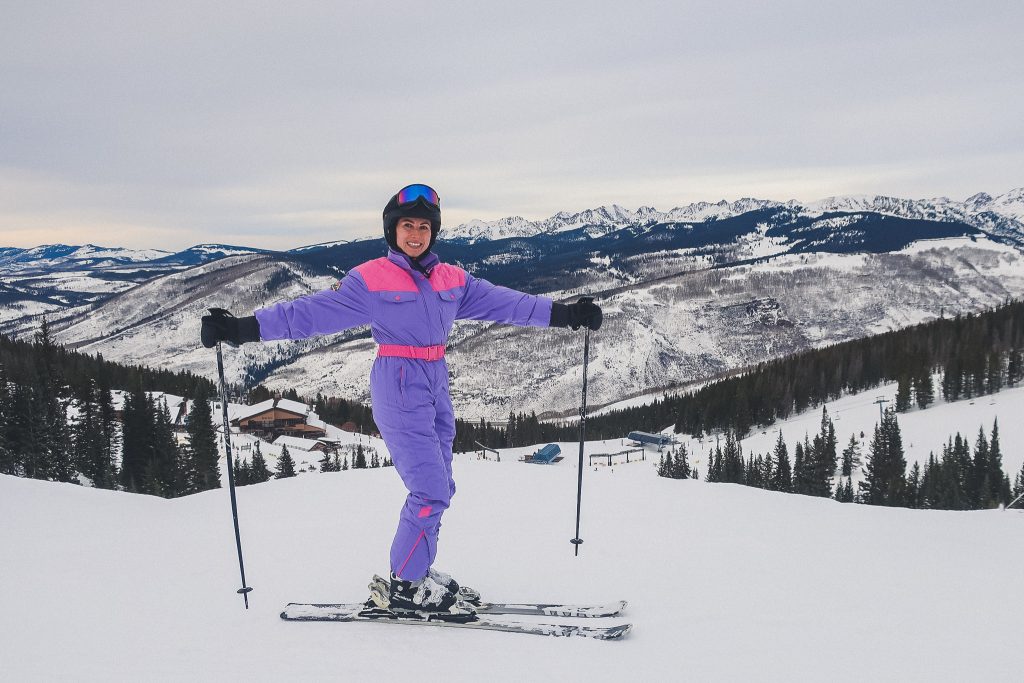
column 410, row 193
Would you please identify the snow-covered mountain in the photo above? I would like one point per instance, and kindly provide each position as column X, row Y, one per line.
column 1002, row 215
column 52, row 256
column 59, row 280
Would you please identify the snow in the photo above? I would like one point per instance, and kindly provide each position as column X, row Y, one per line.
column 293, row 406
column 923, row 431
column 724, row 582
column 296, row 442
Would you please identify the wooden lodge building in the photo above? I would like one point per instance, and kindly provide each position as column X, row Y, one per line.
column 279, row 417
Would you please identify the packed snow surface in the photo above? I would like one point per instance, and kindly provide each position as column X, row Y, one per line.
column 724, row 582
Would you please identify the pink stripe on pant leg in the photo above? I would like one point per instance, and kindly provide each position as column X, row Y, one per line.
column 424, row 512
column 409, row 556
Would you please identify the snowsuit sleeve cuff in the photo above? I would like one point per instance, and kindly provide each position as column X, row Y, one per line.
column 248, row 329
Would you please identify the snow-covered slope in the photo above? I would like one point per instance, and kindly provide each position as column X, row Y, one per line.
column 725, row 583
column 692, row 326
column 924, row 432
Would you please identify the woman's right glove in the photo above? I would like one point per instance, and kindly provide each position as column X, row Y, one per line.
column 220, row 325
column 583, row 313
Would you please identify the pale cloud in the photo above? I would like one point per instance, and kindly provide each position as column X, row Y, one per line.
column 162, row 125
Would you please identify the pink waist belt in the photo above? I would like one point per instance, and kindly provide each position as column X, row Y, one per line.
column 421, row 352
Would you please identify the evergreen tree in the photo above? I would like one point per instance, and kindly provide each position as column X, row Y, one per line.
column 259, row 472
column 91, row 456
column 344, row 463
column 998, row 483
column 978, row 486
column 326, row 463
column 680, row 465
column 163, row 473
column 137, row 429
column 7, row 460
column 360, row 460
column 799, row 470
column 732, row 460
column 783, row 480
column 885, row 482
column 914, row 486
column 903, row 394
column 850, row 454
column 665, row 464
column 848, row 496
column 924, row 389
column 105, row 468
column 821, row 465
column 202, row 439
column 243, row 472
column 285, row 464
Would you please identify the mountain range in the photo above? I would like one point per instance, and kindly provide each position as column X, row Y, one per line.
column 688, row 294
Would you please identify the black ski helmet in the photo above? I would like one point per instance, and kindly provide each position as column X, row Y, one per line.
column 418, row 208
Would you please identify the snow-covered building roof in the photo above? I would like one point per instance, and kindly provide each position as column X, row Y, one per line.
column 240, row 412
column 296, row 442
column 293, row 406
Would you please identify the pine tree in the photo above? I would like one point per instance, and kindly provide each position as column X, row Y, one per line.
column 799, row 470
column 732, row 460
column 202, row 439
column 783, row 480
column 259, row 472
column 680, row 465
column 978, row 486
column 360, row 460
column 914, row 486
column 998, row 483
column 285, row 464
column 243, row 472
column 850, row 454
column 326, row 464
column 903, row 394
column 924, row 389
column 137, row 429
column 344, row 463
column 6, row 454
column 665, row 464
column 105, row 468
column 90, row 453
column 885, row 481
column 163, row 473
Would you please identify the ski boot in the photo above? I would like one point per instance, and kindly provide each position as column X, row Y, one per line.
column 467, row 594
column 421, row 599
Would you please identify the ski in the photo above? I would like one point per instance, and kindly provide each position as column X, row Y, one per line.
column 483, row 622
column 542, row 609
column 553, row 609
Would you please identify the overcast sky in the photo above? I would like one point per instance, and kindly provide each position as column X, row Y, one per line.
column 275, row 125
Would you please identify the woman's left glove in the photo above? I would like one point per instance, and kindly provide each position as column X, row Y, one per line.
column 220, row 325
column 583, row 313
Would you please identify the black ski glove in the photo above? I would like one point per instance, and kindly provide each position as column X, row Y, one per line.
column 220, row 325
column 583, row 313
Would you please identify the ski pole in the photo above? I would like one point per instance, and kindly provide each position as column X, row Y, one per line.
column 244, row 590
column 583, row 433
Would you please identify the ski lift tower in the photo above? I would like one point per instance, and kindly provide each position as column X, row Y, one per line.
column 484, row 450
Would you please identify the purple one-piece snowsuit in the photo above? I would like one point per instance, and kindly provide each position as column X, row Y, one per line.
column 410, row 317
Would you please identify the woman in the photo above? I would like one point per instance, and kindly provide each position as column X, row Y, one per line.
column 410, row 300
